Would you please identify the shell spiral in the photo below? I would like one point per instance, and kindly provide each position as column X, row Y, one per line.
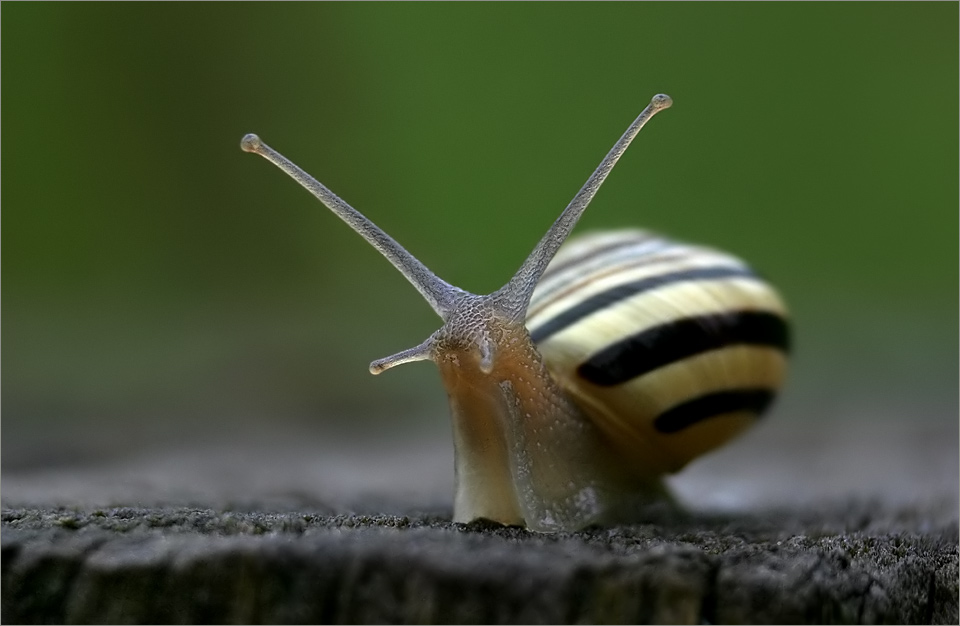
column 672, row 349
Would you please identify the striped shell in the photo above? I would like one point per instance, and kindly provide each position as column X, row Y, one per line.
column 670, row 348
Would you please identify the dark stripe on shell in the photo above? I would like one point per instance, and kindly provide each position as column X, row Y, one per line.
column 552, row 291
column 590, row 254
column 621, row 292
column 711, row 405
column 668, row 343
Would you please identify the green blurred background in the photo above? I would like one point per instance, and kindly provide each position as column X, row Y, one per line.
column 159, row 285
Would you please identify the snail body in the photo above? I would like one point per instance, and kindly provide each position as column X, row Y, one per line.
column 598, row 368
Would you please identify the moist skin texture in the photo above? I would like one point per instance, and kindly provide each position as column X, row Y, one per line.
column 525, row 454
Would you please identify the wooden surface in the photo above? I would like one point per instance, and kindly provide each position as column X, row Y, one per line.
column 811, row 526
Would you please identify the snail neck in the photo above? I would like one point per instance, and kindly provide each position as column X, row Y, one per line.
column 525, row 453
column 488, row 376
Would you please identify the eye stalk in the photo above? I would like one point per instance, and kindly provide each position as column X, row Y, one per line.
column 516, row 294
column 510, row 302
column 439, row 294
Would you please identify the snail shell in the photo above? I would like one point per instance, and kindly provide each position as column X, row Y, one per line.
column 598, row 368
column 670, row 348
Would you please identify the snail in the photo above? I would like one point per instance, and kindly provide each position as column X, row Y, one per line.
column 600, row 367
